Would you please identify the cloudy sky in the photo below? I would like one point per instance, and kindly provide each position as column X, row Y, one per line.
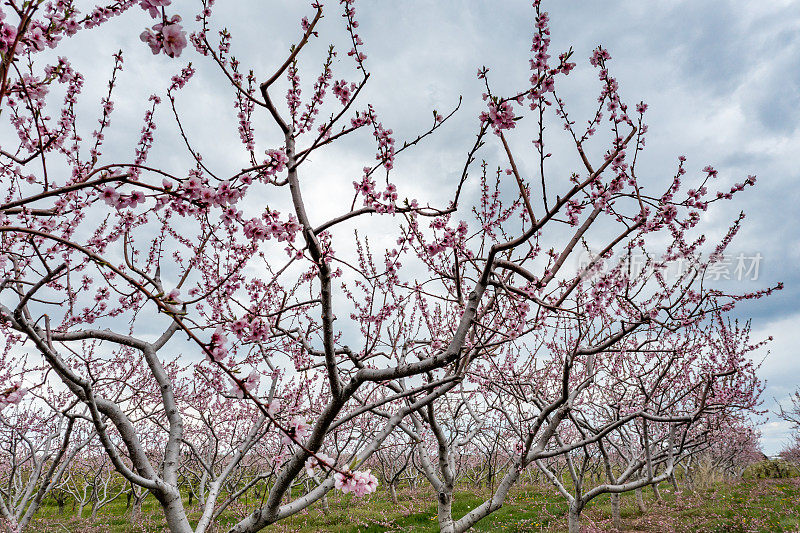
column 721, row 78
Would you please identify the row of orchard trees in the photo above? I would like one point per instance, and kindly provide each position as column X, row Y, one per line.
column 310, row 349
column 52, row 456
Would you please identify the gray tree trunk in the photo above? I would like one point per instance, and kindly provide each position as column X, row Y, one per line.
column 136, row 511
column 575, row 517
column 640, row 501
column 615, row 511
column 657, row 493
column 326, row 508
column 446, row 512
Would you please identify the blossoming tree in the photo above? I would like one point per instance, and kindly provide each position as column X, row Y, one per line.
column 161, row 293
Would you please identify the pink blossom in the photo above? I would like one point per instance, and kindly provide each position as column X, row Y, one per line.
column 151, row 6
column 110, row 196
column 36, row 38
column 152, row 39
column 296, row 430
column 168, row 36
column 360, row 483
column 273, row 407
column 8, row 34
column 12, row 395
column 599, row 56
column 174, row 39
column 137, row 197
column 500, row 117
column 250, row 383
column 318, row 460
column 217, row 349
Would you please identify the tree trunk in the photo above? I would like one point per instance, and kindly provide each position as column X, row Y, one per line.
column 615, row 512
column 11, row 527
column 674, row 482
column 657, row 493
column 136, row 511
column 80, row 509
column 640, row 501
column 175, row 514
column 325, row 507
column 7, row 520
column 393, row 493
column 575, row 518
column 94, row 511
column 446, row 512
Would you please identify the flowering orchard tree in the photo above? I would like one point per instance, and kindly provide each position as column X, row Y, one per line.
column 101, row 254
column 40, row 436
column 393, row 461
column 604, row 350
column 12, row 390
column 651, row 406
column 791, row 414
column 730, row 449
column 171, row 300
column 91, row 481
column 645, row 403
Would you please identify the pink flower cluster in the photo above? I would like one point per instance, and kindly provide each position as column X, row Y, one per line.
column 179, row 81
column 152, row 6
column 12, row 395
column 342, row 91
column 250, row 383
column 250, row 330
column 385, row 145
column 573, row 212
column 750, row 180
column 113, row 198
column 500, row 117
column 276, row 162
column 146, row 138
column 366, row 188
column 318, row 96
column 360, row 482
column 352, row 24
column 36, row 38
column 168, row 36
column 256, row 230
column 293, row 93
column 599, row 57
column 452, row 238
column 319, row 460
column 216, row 347
column 8, row 34
column 296, row 430
column 196, row 190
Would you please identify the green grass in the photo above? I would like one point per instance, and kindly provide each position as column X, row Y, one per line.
column 750, row 505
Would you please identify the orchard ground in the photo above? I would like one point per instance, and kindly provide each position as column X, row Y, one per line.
column 744, row 506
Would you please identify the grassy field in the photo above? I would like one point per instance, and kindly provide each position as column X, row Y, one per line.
column 753, row 505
